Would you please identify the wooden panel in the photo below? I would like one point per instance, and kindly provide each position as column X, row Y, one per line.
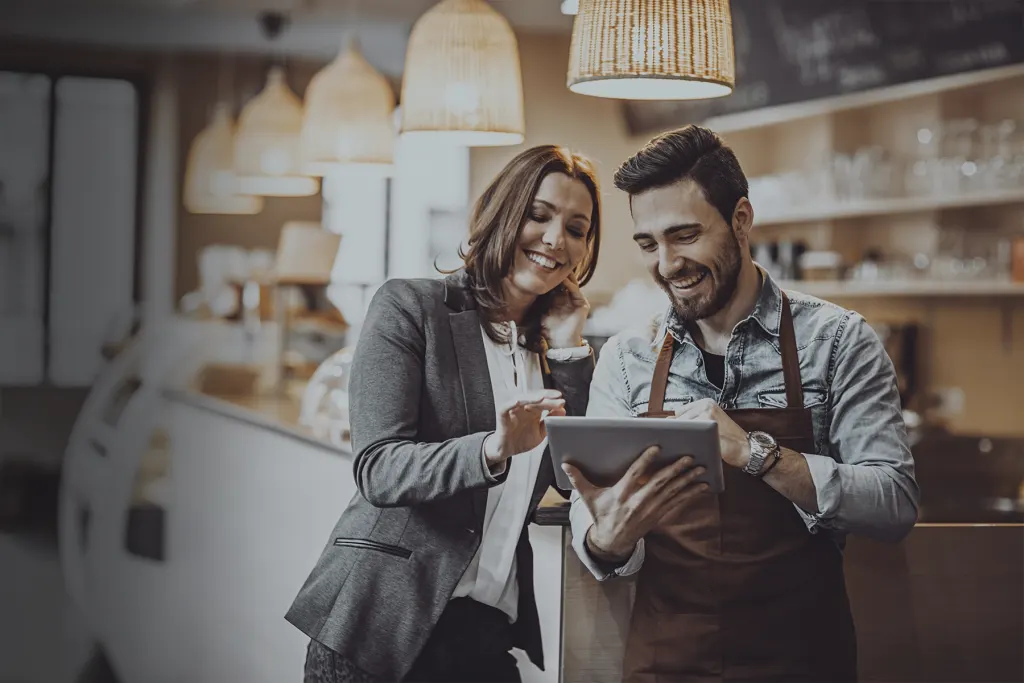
column 947, row 604
column 595, row 622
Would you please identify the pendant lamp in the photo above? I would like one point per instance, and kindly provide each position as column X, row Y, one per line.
column 209, row 176
column 463, row 83
column 267, row 150
column 646, row 50
column 349, row 117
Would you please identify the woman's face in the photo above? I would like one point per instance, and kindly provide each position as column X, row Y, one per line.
column 554, row 238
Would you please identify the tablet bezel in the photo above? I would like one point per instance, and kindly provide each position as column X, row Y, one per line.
column 614, row 443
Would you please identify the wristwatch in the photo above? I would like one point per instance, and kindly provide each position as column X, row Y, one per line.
column 762, row 447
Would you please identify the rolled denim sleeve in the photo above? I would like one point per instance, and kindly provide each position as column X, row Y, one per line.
column 607, row 399
column 868, row 486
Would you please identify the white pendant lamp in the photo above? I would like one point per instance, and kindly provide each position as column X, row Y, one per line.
column 267, row 149
column 645, row 50
column 209, row 176
column 349, row 117
column 463, row 83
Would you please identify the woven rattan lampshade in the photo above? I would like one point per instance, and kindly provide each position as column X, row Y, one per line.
column 267, row 159
column 652, row 50
column 208, row 171
column 463, row 84
column 349, row 118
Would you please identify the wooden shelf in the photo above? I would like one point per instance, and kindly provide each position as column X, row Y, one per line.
column 887, row 207
column 771, row 116
column 909, row 288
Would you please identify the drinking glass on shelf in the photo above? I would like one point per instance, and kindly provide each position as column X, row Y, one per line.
column 1013, row 152
column 1003, row 259
column 917, row 178
column 842, row 174
column 922, row 174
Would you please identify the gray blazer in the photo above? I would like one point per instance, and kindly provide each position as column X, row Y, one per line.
column 421, row 406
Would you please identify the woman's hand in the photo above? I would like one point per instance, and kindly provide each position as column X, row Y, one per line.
column 520, row 428
column 563, row 324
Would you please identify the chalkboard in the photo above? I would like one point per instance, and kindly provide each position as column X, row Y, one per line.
column 791, row 51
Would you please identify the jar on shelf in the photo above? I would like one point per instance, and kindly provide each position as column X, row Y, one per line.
column 821, row 266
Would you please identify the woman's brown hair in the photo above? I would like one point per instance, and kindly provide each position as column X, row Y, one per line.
column 497, row 220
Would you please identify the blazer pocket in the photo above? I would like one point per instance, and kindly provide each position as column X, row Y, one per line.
column 366, row 544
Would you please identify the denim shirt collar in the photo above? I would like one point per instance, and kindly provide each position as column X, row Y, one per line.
column 767, row 314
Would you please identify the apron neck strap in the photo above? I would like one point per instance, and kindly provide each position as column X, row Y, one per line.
column 790, row 365
column 790, row 359
column 659, row 382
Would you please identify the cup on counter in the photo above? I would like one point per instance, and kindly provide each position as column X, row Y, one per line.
column 1017, row 260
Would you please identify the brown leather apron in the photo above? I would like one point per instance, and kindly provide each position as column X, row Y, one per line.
column 736, row 588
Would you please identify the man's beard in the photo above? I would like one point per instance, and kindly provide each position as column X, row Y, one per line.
column 724, row 275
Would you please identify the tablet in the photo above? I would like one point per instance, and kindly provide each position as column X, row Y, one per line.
column 603, row 448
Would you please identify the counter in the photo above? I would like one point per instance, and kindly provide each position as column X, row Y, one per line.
column 946, row 604
column 189, row 521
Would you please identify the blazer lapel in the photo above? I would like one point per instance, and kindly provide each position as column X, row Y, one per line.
column 475, row 380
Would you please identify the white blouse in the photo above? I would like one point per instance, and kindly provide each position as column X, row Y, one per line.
column 491, row 576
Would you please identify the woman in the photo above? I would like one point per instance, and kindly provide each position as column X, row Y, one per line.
column 428, row 575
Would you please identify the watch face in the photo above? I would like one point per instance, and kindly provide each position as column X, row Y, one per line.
column 762, row 440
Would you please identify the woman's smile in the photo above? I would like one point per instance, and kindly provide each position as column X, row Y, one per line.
column 545, row 263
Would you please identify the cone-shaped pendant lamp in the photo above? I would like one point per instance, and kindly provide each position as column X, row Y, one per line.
column 463, row 83
column 267, row 158
column 209, row 173
column 644, row 50
column 349, row 118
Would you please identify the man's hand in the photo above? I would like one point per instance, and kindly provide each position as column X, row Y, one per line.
column 791, row 477
column 637, row 503
column 732, row 438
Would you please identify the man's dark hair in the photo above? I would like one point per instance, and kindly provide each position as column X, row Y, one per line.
column 692, row 152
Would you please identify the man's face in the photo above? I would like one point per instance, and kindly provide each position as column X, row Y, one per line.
column 689, row 249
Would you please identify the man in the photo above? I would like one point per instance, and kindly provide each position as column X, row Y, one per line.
column 747, row 584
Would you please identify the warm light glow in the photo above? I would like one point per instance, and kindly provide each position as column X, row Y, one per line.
column 650, row 89
column 640, row 50
column 349, row 117
column 463, row 82
column 209, row 165
column 267, row 148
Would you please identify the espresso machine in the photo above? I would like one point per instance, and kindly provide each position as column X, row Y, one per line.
column 902, row 343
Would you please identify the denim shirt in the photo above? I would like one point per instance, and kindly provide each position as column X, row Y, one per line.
column 862, row 468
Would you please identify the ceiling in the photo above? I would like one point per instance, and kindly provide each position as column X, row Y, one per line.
column 314, row 29
column 523, row 14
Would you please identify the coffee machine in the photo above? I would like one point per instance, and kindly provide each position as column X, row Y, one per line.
column 901, row 341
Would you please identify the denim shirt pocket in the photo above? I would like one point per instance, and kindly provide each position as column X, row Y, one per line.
column 814, row 398
column 674, row 402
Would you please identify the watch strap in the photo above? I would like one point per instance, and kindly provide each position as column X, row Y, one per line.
column 776, row 456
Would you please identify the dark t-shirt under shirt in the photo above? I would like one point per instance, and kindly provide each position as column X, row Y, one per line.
column 714, row 367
